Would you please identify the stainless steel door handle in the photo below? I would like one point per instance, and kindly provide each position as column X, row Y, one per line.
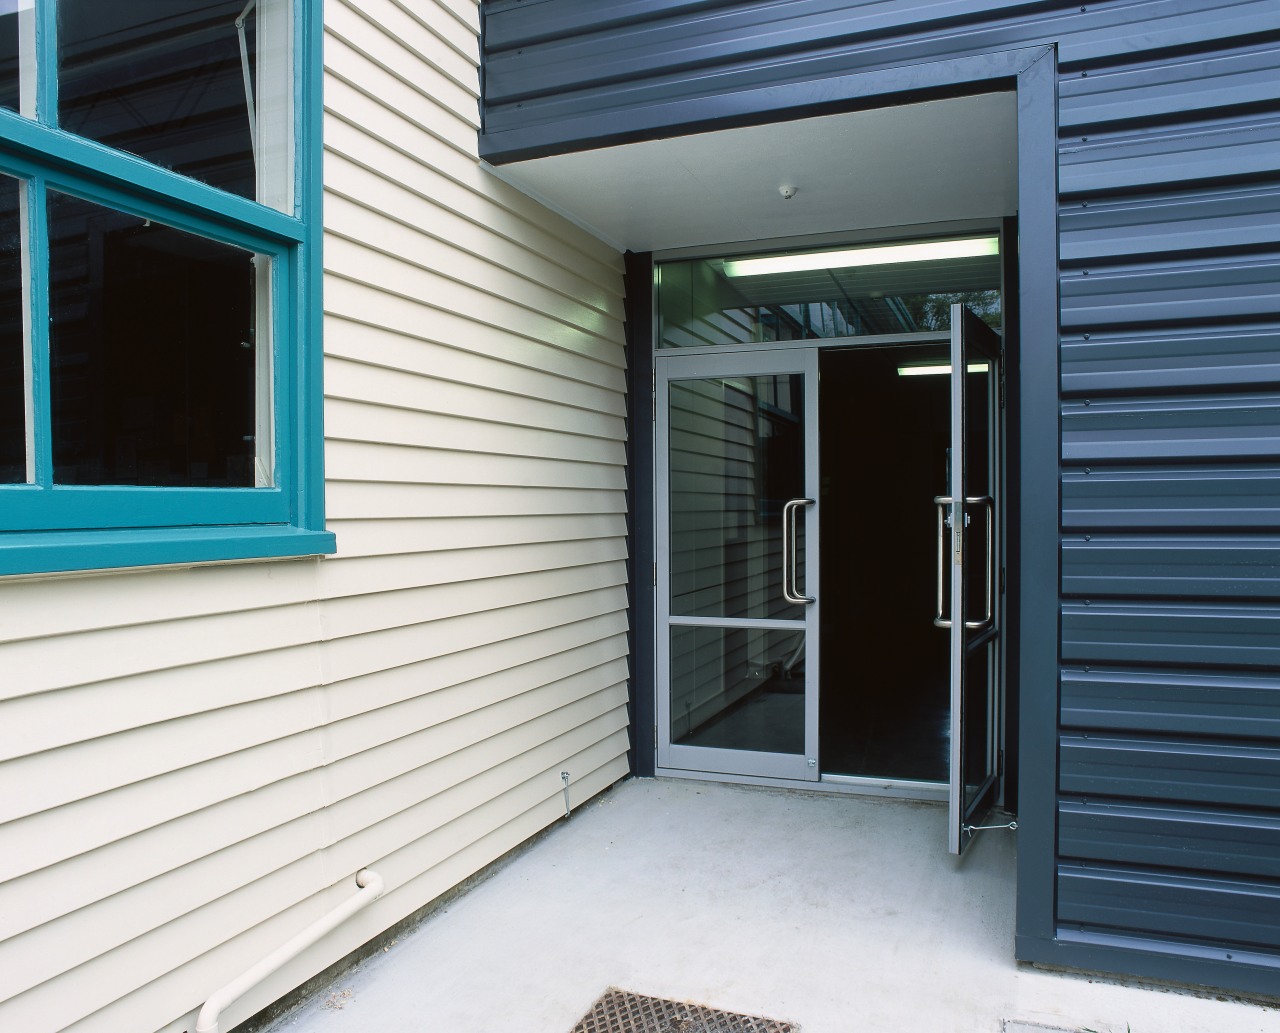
column 790, row 590
column 986, row 502
column 941, row 502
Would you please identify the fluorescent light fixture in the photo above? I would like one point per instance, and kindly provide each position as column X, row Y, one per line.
column 889, row 254
column 933, row 371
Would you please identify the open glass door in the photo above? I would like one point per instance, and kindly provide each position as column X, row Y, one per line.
column 968, row 550
column 737, row 563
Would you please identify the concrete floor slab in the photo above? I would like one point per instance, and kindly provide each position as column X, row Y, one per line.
column 842, row 914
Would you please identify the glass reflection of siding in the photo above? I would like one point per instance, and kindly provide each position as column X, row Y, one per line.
column 736, row 456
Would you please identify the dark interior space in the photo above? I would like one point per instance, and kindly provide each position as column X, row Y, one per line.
column 151, row 335
column 885, row 690
column 13, row 373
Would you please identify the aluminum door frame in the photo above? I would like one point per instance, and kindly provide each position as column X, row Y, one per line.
column 970, row 339
column 759, row 361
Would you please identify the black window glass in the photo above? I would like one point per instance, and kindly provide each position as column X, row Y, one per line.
column 151, row 351
column 162, row 79
column 13, row 430
column 9, row 54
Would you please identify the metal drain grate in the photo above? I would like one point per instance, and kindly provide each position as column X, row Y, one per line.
column 621, row 1012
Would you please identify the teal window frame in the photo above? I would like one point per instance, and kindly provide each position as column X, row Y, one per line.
column 46, row 528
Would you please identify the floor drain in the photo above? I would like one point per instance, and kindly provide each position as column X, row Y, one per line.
column 618, row 1011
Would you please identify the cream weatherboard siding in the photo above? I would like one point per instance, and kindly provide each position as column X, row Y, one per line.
column 197, row 761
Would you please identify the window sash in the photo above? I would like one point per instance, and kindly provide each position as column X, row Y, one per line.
column 24, row 508
column 28, row 148
column 32, row 507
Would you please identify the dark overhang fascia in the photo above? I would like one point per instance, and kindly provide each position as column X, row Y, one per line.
column 773, row 103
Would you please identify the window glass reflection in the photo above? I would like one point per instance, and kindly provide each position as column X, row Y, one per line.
column 819, row 294
column 9, row 77
column 736, row 458
column 13, row 412
column 738, row 689
column 182, row 85
column 152, row 352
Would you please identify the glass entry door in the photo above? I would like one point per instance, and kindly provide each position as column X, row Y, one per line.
column 968, row 557
column 737, row 574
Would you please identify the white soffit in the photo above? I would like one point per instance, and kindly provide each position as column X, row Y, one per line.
column 936, row 161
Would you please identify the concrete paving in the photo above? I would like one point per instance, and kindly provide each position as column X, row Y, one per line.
column 842, row 914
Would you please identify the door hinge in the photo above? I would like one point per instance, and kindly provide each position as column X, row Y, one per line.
column 655, row 737
column 653, row 397
column 655, row 575
column 999, row 763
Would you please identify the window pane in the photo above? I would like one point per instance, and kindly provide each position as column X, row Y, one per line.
column 903, row 287
column 738, row 688
column 9, row 51
column 166, row 81
column 13, row 411
column 153, row 370
column 736, row 457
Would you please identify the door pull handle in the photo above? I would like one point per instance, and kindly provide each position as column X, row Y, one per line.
column 943, row 503
column 986, row 502
column 790, row 590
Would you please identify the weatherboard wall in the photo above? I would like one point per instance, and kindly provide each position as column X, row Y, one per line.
column 197, row 761
column 1166, row 848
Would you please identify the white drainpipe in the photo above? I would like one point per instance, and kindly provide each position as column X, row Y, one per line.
column 371, row 887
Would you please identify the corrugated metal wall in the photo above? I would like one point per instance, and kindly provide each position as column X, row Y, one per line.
column 1169, row 162
column 196, row 762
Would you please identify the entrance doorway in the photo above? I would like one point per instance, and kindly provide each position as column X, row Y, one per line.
column 885, row 702
column 829, row 543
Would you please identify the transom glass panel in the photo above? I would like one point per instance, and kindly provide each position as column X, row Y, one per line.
column 816, row 294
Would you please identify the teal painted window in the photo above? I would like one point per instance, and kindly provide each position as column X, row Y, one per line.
column 159, row 282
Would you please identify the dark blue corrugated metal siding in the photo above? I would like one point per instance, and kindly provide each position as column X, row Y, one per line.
column 1169, row 767
column 1169, row 162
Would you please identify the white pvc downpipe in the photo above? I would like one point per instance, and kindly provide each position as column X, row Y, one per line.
column 371, row 887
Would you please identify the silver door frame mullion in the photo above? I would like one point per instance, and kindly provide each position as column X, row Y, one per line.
column 764, row 623
column 860, row 341
column 955, row 553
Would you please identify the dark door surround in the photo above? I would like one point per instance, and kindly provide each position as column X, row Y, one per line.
column 1033, row 376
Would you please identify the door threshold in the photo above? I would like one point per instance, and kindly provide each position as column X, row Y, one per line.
column 900, row 789
column 903, row 788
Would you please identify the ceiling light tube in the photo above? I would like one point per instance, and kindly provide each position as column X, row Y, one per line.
column 933, row 371
column 889, row 254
